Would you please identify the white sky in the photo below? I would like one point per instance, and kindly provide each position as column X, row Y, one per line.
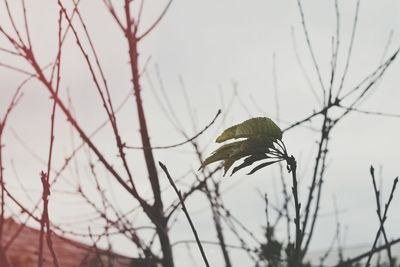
column 212, row 44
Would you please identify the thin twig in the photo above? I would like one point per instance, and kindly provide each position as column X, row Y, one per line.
column 183, row 142
column 186, row 212
column 384, row 217
column 378, row 196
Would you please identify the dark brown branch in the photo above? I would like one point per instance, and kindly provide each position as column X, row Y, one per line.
column 186, row 212
column 379, row 213
column 358, row 258
column 295, row 259
column 383, row 219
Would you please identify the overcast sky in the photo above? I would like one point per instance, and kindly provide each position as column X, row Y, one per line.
column 214, row 46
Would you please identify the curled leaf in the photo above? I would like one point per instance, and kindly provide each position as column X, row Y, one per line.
column 263, row 165
column 249, row 161
column 255, row 127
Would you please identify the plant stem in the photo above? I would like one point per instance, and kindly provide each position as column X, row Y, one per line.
column 292, row 166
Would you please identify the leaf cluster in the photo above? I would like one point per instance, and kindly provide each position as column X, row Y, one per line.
column 258, row 138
